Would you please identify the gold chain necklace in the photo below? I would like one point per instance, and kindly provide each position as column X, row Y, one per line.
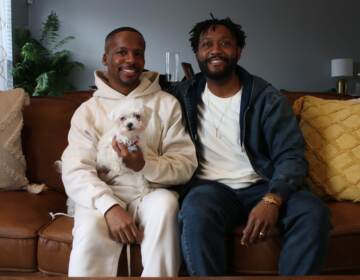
column 221, row 118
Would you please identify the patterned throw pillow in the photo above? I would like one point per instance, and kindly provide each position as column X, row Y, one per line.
column 12, row 161
column 331, row 129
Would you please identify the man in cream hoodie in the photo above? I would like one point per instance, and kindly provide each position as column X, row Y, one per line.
column 109, row 216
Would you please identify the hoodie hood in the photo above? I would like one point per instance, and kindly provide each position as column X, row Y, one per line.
column 149, row 83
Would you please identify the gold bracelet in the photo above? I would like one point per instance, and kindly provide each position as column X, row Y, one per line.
column 271, row 200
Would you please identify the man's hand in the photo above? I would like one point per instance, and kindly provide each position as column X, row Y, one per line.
column 262, row 218
column 122, row 226
column 133, row 160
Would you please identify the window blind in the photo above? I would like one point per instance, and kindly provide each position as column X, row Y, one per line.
column 6, row 55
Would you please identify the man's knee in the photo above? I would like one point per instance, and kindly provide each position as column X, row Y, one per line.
column 91, row 234
column 319, row 215
column 165, row 204
column 202, row 209
column 205, row 196
column 197, row 203
column 312, row 210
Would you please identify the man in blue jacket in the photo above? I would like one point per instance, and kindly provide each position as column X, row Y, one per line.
column 252, row 168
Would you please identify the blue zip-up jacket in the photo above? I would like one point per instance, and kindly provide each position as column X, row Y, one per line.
column 269, row 130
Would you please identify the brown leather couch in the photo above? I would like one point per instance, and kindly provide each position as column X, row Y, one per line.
column 32, row 243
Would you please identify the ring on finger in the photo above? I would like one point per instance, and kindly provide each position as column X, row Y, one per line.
column 261, row 234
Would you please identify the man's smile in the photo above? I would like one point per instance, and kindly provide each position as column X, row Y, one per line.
column 216, row 61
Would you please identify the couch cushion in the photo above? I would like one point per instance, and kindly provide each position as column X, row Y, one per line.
column 46, row 126
column 54, row 249
column 12, row 161
column 55, row 245
column 331, row 130
column 21, row 216
column 261, row 258
column 344, row 246
column 343, row 254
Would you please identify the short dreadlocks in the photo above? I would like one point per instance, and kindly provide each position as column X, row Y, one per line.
column 205, row 25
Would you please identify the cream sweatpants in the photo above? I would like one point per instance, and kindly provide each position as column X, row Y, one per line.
column 94, row 253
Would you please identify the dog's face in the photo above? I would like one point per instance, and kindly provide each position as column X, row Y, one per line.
column 130, row 117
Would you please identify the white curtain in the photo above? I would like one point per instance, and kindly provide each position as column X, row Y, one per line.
column 6, row 81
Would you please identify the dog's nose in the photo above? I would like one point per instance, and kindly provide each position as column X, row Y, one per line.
column 130, row 125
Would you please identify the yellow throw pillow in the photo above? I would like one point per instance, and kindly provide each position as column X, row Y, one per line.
column 331, row 129
column 12, row 161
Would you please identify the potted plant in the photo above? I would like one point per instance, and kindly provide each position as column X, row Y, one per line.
column 42, row 67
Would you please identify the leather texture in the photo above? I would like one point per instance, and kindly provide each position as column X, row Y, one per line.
column 54, row 246
column 44, row 137
column 22, row 215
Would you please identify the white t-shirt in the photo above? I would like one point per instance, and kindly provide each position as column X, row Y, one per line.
column 219, row 132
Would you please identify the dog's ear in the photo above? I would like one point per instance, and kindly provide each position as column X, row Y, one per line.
column 117, row 111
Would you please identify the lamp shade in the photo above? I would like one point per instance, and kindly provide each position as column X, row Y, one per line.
column 341, row 67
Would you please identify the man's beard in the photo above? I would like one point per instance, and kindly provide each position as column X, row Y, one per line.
column 230, row 67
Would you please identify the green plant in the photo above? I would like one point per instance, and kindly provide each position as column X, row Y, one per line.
column 41, row 68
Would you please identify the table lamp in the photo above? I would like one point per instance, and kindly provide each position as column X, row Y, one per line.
column 341, row 67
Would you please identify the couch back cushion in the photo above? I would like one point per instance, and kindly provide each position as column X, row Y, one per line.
column 44, row 137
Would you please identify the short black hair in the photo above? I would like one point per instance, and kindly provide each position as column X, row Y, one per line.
column 203, row 26
column 122, row 29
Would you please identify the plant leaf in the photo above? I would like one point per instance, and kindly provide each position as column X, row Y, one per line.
column 63, row 42
column 50, row 29
column 33, row 51
column 43, row 82
column 21, row 37
column 40, row 70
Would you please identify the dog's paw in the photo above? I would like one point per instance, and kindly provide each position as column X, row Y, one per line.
column 36, row 188
column 133, row 148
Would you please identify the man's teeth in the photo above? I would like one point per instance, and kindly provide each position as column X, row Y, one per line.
column 129, row 70
column 216, row 61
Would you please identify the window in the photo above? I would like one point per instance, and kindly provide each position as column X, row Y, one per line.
column 6, row 81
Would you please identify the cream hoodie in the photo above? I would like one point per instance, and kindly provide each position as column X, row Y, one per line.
column 170, row 156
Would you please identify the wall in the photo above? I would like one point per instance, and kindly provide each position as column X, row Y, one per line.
column 20, row 16
column 20, row 19
column 290, row 43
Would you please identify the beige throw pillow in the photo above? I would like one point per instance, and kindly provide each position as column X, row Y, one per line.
column 12, row 161
column 331, row 129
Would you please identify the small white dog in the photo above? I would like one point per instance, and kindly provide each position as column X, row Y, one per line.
column 129, row 119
